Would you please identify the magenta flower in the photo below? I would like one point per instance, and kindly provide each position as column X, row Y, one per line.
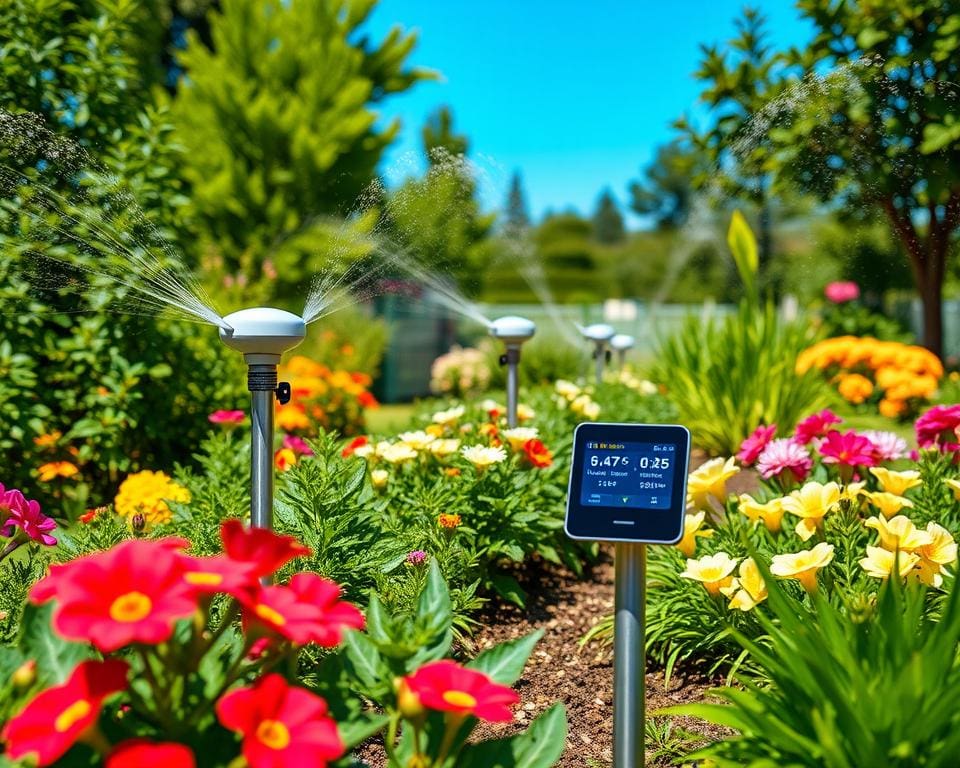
column 298, row 445
column 888, row 446
column 230, row 418
column 816, row 425
column 842, row 292
column 784, row 459
column 848, row 450
column 417, row 557
column 755, row 443
column 937, row 428
column 26, row 516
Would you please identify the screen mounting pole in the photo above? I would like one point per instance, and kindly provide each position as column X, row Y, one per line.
column 629, row 655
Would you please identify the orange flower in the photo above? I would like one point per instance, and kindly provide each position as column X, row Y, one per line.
column 48, row 440
column 452, row 471
column 292, row 416
column 448, row 521
column 855, row 388
column 55, row 469
column 891, row 408
column 537, row 453
column 284, row 459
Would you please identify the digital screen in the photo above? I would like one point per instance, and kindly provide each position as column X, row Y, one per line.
column 628, row 475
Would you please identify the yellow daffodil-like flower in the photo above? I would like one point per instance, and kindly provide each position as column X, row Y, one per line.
column 770, row 512
column 712, row 570
column 482, row 457
column 899, row 532
column 445, row 447
column 518, row 436
column 888, row 504
column 748, row 589
column 691, row 530
column 852, row 491
column 955, row 487
column 449, row 417
column 940, row 552
column 897, row 483
column 525, row 412
column 396, row 453
column 803, row 566
column 710, row 479
column 880, row 562
column 147, row 493
column 567, row 389
column 811, row 503
column 418, row 440
column 379, row 478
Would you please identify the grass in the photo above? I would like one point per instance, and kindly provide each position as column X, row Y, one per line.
column 389, row 418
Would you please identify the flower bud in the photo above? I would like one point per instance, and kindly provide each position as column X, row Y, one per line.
column 138, row 522
column 408, row 703
column 25, row 675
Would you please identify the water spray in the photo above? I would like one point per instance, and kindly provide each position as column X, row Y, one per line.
column 512, row 331
column 621, row 344
column 262, row 334
column 600, row 334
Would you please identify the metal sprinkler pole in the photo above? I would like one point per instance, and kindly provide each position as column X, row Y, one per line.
column 262, row 383
column 601, row 355
column 513, row 383
column 629, row 655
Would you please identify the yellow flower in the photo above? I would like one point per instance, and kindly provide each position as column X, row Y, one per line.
column 691, row 530
column 446, row 447
column 525, row 412
column 897, row 483
column 879, row 562
column 591, row 411
column 811, row 503
column 54, row 469
column 379, row 478
column 899, row 533
column 147, row 493
column 955, row 487
column 566, row 389
column 888, row 503
column 395, row 453
column 771, row 512
column 942, row 549
column 284, row 459
column 482, row 457
column 712, row 570
column 418, row 440
column 449, row 417
column 519, row 435
column 710, row 479
column 748, row 589
column 436, row 430
column 852, row 491
column 804, row 565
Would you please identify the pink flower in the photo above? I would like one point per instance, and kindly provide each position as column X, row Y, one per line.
column 26, row 515
column 816, row 425
column 755, row 443
column 842, row 292
column 298, row 445
column 938, row 428
column 227, row 417
column 888, row 446
column 848, row 450
column 784, row 457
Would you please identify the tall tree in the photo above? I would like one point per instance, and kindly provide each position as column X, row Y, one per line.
column 439, row 140
column 666, row 193
column 607, row 220
column 517, row 217
column 881, row 134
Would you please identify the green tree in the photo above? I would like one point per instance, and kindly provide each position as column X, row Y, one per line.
column 565, row 249
column 608, row 221
column 439, row 141
column 517, row 217
column 882, row 134
column 281, row 132
column 668, row 188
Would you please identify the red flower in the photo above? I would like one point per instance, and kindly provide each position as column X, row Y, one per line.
column 537, row 453
column 20, row 513
column 132, row 593
column 848, row 450
column 352, row 446
column 87, row 517
column 816, row 425
column 265, row 550
column 367, row 400
column 227, row 417
column 308, row 610
column 141, row 753
column 54, row 720
column 282, row 726
column 842, row 292
column 448, row 687
column 219, row 573
column 938, row 428
column 753, row 446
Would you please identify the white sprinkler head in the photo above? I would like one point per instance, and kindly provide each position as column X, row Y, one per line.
column 263, row 331
column 622, row 342
column 598, row 332
column 512, row 329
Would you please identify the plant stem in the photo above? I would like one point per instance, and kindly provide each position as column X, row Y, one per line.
column 9, row 549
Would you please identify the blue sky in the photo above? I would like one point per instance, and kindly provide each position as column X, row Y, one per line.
column 575, row 95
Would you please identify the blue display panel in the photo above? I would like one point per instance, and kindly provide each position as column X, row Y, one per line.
column 628, row 482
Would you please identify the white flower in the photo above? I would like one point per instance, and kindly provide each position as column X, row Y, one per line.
column 567, row 389
column 364, row 450
column 448, row 417
column 418, row 440
column 647, row 388
column 482, row 457
column 396, row 454
column 490, row 406
column 519, row 435
column 591, row 410
column 379, row 478
column 440, row 448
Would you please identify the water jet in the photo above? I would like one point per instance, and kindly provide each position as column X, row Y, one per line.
column 600, row 334
column 513, row 331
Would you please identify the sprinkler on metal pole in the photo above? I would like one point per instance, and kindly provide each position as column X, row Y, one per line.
column 512, row 331
column 263, row 334
column 621, row 344
column 599, row 334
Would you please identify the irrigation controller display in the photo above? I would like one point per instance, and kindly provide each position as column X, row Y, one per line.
column 628, row 482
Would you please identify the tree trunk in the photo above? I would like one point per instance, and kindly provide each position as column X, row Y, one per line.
column 931, row 294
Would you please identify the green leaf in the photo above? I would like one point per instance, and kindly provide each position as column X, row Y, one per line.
column 540, row 746
column 434, row 609
column 508, row 588
column 354, row 732
column 363, row 660
column 56, row 658
column 504, row 663
column 743, row 246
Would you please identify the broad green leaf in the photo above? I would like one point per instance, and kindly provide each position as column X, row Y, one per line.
column 354, row 732
column 363, row 660
column 56, row 658
column 743, row 246
column 504, row 663
column 508, row 588
column 434, row 608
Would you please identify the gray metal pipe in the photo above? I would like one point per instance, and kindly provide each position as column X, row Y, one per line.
column 601, row 355
column 262, row 383
column 629, row 656
column 513, row 383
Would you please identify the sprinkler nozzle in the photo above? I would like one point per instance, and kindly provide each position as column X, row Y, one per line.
column 598, row 333
column 622, row 342
column 263, row 333
column 512, row 329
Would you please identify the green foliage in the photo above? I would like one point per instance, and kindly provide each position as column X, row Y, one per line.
column 842, row 689
column 668, row 190
column 607, row 220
